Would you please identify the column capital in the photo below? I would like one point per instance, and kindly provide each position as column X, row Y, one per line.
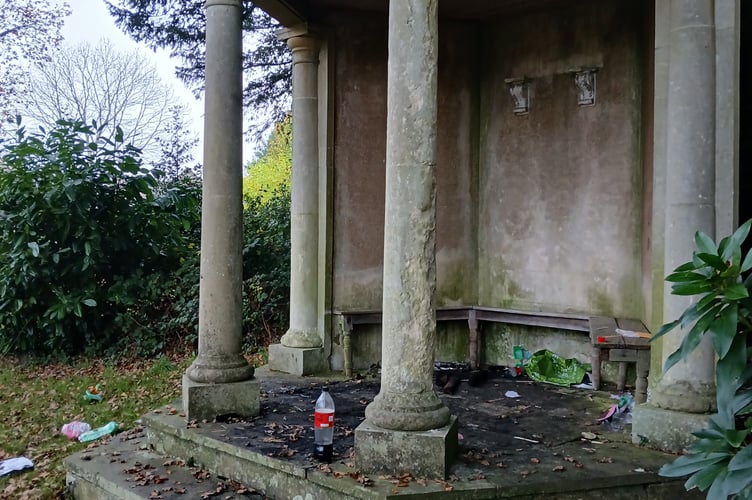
column 299, row 30
column 303, row 42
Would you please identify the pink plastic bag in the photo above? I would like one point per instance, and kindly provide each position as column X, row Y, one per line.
column 74, row 429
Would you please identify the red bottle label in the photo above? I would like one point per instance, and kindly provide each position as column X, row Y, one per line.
column 323, row 419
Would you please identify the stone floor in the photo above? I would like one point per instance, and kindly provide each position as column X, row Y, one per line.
column 544, row 442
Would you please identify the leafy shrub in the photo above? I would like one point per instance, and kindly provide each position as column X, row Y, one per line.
column 86, row 242
column 266, row 267
column 720, row 460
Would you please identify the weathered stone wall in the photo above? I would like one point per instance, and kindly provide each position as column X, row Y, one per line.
column 540, row 212
column 359, row 155
column 561, row 187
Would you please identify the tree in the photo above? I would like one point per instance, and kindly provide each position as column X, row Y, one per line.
column 99, row 83
column 29, row 31
column 176, row 143
column 272, row 170
column 180, row 26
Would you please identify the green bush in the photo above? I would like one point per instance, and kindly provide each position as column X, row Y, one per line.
column 99, row 255
column 266, row 267
column 720, row 460
column 88, row 238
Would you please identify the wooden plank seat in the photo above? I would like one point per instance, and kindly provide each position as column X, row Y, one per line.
column 607, row 341
column 602, row 331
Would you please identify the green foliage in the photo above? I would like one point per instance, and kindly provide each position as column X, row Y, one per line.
column 87, row 242
column 100, row 255
column 720, row 461
column 272, row 170
column 266, row 266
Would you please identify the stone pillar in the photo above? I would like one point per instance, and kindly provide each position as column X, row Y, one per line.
column 727, row 44
column 300, row 351
column 681, row 398
column 387, row 441
column 220, row 380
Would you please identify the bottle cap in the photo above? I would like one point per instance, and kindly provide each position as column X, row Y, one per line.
column 325, row 388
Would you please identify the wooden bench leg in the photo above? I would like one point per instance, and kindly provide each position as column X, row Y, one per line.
column 596, row 362
column 474, row 340
column 643, row 369
column 621, row 381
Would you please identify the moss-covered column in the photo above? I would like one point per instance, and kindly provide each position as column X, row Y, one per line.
column 219, row 380
column 300, row 350
column 407, row 400
column 682, row 395
column 304, row 222
column 407, row 426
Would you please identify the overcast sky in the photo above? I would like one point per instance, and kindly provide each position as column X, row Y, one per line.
column 90, row 22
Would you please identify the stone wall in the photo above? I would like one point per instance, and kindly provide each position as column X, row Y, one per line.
column 359, row 156
column 541, row 211
column 561, row 187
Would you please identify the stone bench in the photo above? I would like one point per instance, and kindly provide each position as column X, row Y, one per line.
column 622, row 351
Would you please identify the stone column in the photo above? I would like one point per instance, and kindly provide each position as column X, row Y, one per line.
column 220, row 379
column 407, row 401
column 300, row 351
column 727, row 44
column 687, row 391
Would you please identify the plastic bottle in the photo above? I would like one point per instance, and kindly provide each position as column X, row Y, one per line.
column 323, row 426
column 97, row 433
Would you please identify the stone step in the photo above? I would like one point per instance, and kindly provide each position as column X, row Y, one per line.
column 125, row 467
column 133, row 465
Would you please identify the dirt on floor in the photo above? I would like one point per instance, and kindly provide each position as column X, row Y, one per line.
column 546, row 428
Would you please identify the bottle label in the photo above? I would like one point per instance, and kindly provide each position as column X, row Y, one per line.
column 323, row 419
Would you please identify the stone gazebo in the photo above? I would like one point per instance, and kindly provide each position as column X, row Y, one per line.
column 541, row 155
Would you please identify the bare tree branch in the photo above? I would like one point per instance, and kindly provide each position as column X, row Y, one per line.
column 99, row 82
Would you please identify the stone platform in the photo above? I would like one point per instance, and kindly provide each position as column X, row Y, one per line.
column 525, row 448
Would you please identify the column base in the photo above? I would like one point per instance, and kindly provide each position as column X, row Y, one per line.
column 666, row 430
column 423, row 454
column 208, row 401
column 301, row 338
column 689, row 396
column 407, row 412
column 296, row 360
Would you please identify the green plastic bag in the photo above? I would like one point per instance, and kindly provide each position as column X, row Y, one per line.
column 545, row 366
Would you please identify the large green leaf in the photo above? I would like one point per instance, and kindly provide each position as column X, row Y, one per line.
column 692, row 288
column 701, row 308
column 689, row 464
column 664, row 330
column 747, row 263
column 729, row 378
column 736, row 291
column 691, row 340
column 736, row 437
column 742, row 460
column 704, row 477
column 713, row 261
column 705, row 243
column 736, row 240
column 687, row 266
column 723, row 329
column 736, row 481
column 686, row 276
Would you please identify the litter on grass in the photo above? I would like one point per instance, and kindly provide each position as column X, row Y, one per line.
column 17, row 464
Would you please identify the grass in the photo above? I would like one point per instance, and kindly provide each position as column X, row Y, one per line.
column 36, row 400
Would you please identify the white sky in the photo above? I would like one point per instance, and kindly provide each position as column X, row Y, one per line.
column 90, row 22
